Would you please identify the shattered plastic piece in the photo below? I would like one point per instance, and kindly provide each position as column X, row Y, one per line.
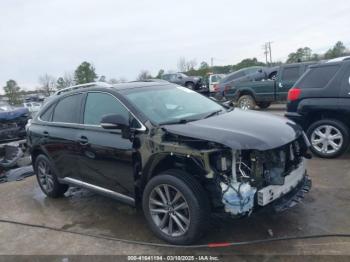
column 238, row 198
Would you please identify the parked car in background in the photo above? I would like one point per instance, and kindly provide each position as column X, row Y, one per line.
column 237, row 76
column 213, row 82
column 34, row 98
column 320, row 103
column 179, row 155
column 191, row 82
column 267, row 86
column 33, row 107
column 12, row 122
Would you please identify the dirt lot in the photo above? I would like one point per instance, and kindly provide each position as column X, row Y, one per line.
column 326, row 209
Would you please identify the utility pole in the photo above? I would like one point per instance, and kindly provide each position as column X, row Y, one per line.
column 267, row 52
column 211, row 61
column 270, row 52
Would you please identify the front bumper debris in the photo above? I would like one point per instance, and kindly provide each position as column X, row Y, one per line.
column 294, row 197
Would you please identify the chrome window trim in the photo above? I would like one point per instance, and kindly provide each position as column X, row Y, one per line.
column 142, row 128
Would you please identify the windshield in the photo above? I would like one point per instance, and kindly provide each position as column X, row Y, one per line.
column 166, row 104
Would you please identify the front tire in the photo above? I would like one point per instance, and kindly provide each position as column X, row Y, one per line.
column 246, row 102
column 176, row 207
column 47, row 178
column 329, row 138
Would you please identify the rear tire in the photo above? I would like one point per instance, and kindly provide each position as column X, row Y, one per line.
column 47, row 178
column 264, row 105
column 246, row 102
column 166, row 216
column 329, row 138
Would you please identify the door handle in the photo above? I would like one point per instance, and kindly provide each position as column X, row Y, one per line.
column 46, row 134
column 83, row 140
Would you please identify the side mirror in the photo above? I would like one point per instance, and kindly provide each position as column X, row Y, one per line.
column 114, row 121
column 179, row 77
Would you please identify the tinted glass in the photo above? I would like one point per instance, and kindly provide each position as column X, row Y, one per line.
column 46, row 116
column 171, row 103
column 100, row 104
column 290, row 73
column 318, row 77
column 67, row 109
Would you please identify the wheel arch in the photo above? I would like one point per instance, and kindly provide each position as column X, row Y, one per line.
column 245, row 91
column 161, row 162
column 318, row 115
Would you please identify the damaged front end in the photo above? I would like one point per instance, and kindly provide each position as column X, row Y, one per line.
column 238, row 181
column 250, row 179
column 12, row 123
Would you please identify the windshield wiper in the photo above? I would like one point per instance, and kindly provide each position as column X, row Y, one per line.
column 213, row 113
column 178, row 121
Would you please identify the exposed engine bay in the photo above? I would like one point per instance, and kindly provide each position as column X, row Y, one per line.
column 253, row 176
column 239, row 181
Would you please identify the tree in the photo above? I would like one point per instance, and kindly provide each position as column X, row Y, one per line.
column 12, row 91
column 160, row 74
column 204, row 65
column 65, row 81
column 47, row 83
column 301, row 55
column 247, row 63
column 183, row 65
column 338, row 50
column 144, row 75
column 85, row 73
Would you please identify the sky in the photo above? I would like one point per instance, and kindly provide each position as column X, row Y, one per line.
column 121, row 38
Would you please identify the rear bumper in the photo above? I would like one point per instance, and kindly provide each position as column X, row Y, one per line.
column 296, row 117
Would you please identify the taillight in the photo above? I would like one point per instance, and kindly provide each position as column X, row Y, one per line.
column 294, row 94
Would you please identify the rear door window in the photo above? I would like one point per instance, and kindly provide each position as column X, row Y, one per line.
column 100, row 104
column 67, row 109
column 290, row 73
column 318, row 77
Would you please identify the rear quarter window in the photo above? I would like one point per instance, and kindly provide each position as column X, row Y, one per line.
column 318, row 77
column 67, row 109
column 47, row 114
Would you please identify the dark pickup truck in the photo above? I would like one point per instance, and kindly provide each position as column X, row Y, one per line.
column 266, row 86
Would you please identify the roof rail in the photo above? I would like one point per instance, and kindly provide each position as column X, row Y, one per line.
column 71, row 88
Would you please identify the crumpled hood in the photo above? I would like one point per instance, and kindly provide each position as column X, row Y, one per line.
column 240, row 129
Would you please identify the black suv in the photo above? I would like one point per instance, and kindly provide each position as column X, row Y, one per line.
column 179, row 155
column 320, row 103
